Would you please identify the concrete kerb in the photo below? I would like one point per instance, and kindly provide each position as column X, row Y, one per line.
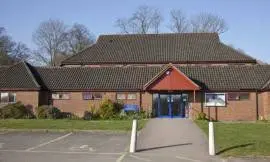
column 63, row 130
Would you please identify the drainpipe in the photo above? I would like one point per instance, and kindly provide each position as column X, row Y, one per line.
column 257, row 106
column 140, row 100
column 202, row 100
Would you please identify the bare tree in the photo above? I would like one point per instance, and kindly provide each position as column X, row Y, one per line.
column 51, row 38
column 144, row 20
column 20, row 52
column 206, row 22
column 179, row 22
column 10, row 51
column 79, row 38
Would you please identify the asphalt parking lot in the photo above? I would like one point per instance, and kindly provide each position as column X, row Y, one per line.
column 77, row 146
column 58, row 147
column 86, row 146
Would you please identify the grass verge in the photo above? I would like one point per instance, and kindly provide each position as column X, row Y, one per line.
column 64, row 124
column 240, row 139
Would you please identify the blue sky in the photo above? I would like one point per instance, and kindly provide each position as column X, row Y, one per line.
column 248, row 20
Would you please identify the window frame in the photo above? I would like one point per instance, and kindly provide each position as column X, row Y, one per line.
column 206, row 104
column 8, row 97
column 61, row 94
column 124, row 94
column 239, row 96
column 92, row 95
column 131, row 94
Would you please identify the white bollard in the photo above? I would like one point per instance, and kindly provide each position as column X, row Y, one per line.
column 211, row 139
column 133, row 138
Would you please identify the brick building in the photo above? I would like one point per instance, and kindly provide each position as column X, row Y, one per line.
column 171, row 75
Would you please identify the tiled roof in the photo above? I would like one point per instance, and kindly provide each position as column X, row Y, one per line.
column 158, row 48
column 132, row 78
column 108, row 78
column 18, row 76
column 223, row 78
column 3, row 67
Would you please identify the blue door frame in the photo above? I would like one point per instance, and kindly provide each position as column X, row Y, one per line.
column 170, row 102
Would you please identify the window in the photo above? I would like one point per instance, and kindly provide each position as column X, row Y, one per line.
column 131, row 96
column 61, row 96
column 238, row 96
column 92, row 95
column 121, row 96
column 7, row 97
column 233, row 96
column 215, row 99
column 128, row 96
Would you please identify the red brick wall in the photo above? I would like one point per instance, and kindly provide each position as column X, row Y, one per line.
column 234, row 110
column 28, row 98
column 147, row 101
column 264, row 105
column 78, row 106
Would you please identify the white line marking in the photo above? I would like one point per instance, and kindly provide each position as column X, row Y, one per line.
column 121, row 158
column 185, row 158
column 83, row 146
column 139, row 158
column 46, row 143
column 91, row 149
column 64, row 152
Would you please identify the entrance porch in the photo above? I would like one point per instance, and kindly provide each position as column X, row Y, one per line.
column 170, row 89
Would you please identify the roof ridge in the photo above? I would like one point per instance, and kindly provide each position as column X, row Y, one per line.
column 149, row 34
column 30, row 73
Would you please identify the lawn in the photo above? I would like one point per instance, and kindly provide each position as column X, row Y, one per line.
column 240, row 139
column 64, row 124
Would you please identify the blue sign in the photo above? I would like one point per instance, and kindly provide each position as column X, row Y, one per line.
column 131, row 107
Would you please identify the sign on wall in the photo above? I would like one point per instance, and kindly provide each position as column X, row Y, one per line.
column 215, row 99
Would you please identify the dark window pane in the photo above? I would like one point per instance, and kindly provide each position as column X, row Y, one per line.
column 244, row 96
column 233, row 96
column 12, row 97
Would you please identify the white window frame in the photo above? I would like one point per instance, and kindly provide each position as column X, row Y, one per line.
column 92, row 95
column 208, row 104
column 56, row 95
column 122, row 94
column 132, row 94
column 8, row 95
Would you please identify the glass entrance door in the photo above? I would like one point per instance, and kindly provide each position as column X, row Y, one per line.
column 164, row 101
column 176, row 105
column 170, row 105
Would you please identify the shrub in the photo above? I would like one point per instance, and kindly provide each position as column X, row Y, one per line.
column 118, row 106
column 87, row 115
column 16, row 111
column 92, row 114
column 48, row 112
column 201, row 116
column 132, row 115
column 107, row 109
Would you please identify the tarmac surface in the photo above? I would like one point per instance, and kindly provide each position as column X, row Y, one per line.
column 162, row 140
